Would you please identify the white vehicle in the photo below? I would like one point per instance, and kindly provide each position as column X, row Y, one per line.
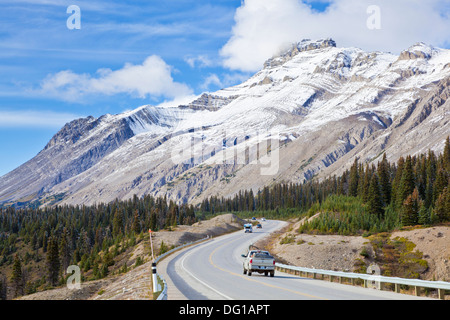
column 259, row 261
column 248, row 228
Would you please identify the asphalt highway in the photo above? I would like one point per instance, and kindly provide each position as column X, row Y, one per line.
column 213, row 271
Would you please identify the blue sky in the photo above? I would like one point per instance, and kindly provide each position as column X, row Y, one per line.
column 131, row 53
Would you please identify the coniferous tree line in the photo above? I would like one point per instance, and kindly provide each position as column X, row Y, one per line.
column 74, row 235
column 414, row 190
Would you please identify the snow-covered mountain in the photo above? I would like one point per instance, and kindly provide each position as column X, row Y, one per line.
column 307, row 113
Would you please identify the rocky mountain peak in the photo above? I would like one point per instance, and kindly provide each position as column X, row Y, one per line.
column 72, row 131
column 419, row 50
column 296, row 48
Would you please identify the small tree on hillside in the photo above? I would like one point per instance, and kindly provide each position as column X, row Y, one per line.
column 410, row 209
column 375, row 200
column 53, row 263
column 17, row 277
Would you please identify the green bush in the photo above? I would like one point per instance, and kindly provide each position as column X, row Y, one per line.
column 345, row 215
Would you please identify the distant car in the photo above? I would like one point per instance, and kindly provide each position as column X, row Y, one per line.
column 253, row 218
column 248, row 228
column 259, row 226
column 263, row 219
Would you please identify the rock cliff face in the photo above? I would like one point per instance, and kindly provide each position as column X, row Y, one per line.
column 295, row 49
column 307, row 114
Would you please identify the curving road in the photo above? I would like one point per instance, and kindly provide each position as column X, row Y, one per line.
column 213, row 271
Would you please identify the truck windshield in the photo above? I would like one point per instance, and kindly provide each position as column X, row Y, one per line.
column 262, row 255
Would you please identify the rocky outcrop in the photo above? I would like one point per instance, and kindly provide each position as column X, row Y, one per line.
column 418, row 51
column 208, row 102
column 295, row 49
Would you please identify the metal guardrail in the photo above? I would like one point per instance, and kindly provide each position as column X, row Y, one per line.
column 371, row 280
column 163, row 295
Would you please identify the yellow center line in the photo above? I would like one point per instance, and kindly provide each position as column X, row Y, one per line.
column 250, row 279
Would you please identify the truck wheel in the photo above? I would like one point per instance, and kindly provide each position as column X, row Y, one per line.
column 249, row 273
column 272, row 274
column 245, row 271
column 266, row 273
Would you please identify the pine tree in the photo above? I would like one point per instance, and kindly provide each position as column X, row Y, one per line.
column 410, row 209
column 365, row 184
column 153, row 219
column 421, row 176
column 17, row 277
column 424, row 215
column 136, row 222
column 95, row 271
column 385, row 180
column 3, row 288
column 407, row 184
column 104, row 271
column 53, row 263
column 251, row 201
column 439, row 184
column 375, row 202
column 431, row 177
column 118, row 222
column 446, row 155
column 66, row 250
column 442, row 207
column 354, row 179
column 397, row 178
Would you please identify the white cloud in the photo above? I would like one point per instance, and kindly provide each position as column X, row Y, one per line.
column 201, row 61
column 179, row 101
column 34, row 119
column 262, row 27
column 152, row 78
column 212, row 79
column 226, row 80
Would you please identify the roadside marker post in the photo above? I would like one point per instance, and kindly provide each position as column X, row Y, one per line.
column 151, row 243
column 154, row 276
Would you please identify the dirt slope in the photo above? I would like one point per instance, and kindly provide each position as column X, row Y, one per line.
column 340, row 253
column 136, row 283
column 434, row 243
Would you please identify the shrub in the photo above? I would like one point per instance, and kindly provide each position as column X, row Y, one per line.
column 288, row 239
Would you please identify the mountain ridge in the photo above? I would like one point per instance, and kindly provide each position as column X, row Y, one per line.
column 324, row 103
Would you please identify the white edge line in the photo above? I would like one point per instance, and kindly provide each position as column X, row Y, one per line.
column 205, row 284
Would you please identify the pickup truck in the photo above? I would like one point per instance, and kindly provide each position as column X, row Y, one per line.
column 259, row 261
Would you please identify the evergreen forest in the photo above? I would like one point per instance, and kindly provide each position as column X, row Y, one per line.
column 368, row 198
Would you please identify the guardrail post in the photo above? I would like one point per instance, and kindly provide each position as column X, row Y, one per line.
column 441, row 294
